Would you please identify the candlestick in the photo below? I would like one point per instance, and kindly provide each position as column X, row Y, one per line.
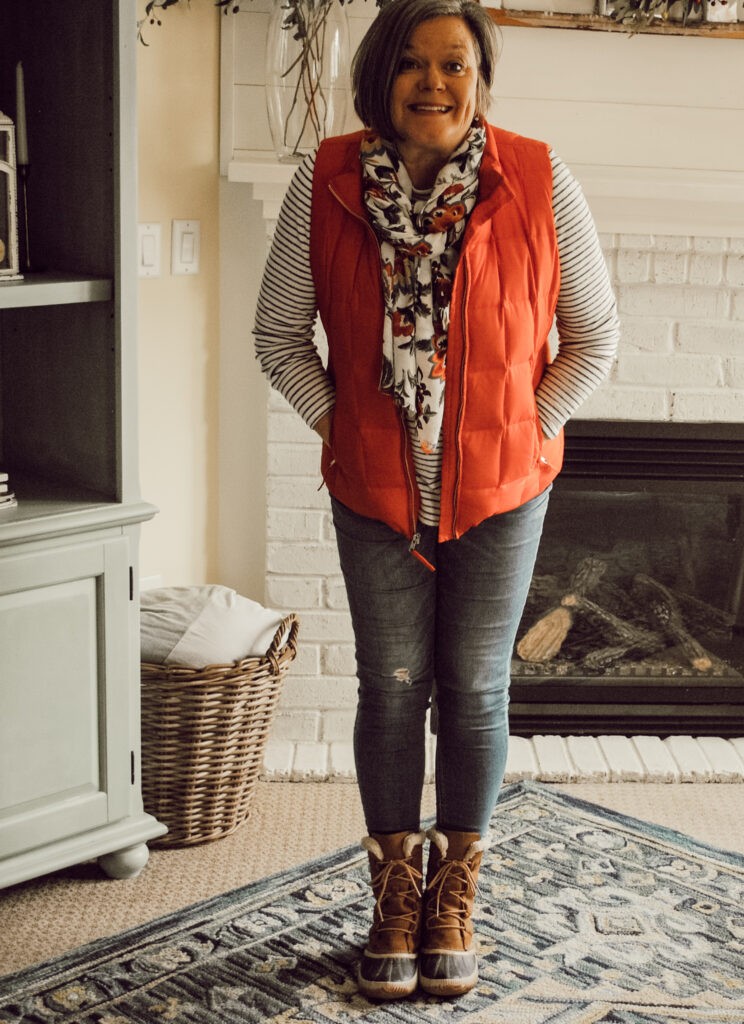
column 23, row 170
column 21, row 133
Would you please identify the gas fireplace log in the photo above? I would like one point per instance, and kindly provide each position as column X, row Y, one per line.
column 616, row 600
column 603, row 657
column 665, row 611
column 711, row 622
column 545, row 588
column 545, row 637
column 627, row 638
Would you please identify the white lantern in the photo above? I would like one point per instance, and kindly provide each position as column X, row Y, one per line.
column 8, row 203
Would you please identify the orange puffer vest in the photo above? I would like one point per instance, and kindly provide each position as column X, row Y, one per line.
column 503, row 300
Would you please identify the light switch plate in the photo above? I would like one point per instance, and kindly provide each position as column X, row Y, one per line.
column 185, row 246
column 148, row 250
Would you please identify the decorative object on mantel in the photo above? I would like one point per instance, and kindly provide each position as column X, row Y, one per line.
column 548, row 7
column 154, row 7
column 721, row 11
column 307, row 61
column 719, row 20
column 637, row 14
column 9, row 270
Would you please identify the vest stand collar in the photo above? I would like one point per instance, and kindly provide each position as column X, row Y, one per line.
column 347, row 186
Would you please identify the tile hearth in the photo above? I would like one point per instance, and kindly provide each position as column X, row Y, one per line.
column 545, row 759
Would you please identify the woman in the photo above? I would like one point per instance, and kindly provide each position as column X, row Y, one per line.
column 438, row 250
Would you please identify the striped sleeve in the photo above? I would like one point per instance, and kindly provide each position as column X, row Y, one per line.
column 286, row 311
column 586, row 314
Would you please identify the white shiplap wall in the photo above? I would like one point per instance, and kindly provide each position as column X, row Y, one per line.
column 644, row 121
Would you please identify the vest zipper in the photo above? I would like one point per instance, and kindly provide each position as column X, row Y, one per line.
column 412, row 547
column 415, row 535
column 460, row 410
column 354, row 214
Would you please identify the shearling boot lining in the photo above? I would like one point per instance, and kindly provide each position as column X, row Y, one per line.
column 411, row 841
column 441, row 842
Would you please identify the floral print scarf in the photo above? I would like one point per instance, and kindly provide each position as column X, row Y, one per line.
column 419, row 248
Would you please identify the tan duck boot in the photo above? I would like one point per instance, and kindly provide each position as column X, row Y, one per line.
column 448, row 964
column 388, row 968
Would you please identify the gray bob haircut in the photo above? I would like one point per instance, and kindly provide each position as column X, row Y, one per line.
column 375, row 64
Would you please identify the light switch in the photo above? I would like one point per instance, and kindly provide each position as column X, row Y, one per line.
column 185, row 245
column 148, row 254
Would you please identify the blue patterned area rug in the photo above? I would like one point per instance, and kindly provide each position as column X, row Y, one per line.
column 585, row 917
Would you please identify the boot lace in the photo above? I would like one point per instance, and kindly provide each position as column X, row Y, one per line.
column 451, row 893
column 397, row 885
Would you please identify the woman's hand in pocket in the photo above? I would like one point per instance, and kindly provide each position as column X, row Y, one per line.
column 323, row 427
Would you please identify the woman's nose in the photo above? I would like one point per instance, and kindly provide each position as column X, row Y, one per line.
column 431, row 78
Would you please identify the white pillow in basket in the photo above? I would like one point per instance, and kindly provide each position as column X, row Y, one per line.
column 206, row 625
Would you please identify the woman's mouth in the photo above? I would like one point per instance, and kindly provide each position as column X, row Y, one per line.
column 429, row 108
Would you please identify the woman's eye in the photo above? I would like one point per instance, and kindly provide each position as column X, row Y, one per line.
column 406, row 64
column 455, row 66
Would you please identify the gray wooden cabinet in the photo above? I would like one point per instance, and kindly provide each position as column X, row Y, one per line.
column 69, row 617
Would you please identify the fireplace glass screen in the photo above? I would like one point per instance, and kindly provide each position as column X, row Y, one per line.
column 637, row 583
column 634, row 621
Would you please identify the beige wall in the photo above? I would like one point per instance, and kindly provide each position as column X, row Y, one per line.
column 178, row 110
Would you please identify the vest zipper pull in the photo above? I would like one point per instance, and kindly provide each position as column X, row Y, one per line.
column 321, row 485
column 415, row 541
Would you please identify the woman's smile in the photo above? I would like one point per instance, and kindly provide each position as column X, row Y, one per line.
column 434, row 95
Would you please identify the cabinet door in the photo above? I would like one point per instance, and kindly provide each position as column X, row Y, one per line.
column 64, row 692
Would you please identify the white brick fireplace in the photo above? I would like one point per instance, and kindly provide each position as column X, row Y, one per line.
column 681, row 360
column 672, row 228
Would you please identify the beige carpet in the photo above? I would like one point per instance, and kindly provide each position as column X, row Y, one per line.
column 290, row 823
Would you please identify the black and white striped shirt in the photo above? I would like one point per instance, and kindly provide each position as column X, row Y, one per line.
column 586, row 320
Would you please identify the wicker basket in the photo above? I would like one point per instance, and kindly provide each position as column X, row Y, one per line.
column 203, row 737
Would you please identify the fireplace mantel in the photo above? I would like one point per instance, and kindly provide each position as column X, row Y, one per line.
column 624, row 200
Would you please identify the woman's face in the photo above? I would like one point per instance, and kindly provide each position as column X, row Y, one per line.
column 434, row 96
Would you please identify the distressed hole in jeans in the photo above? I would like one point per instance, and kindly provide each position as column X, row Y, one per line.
column 403, row 675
